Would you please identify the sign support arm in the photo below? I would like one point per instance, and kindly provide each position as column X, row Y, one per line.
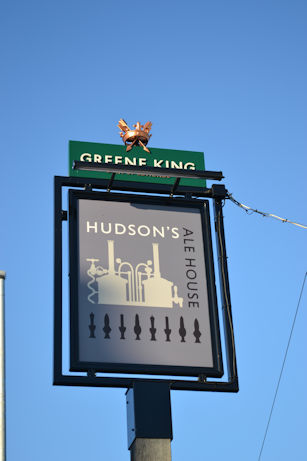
column 225, row 292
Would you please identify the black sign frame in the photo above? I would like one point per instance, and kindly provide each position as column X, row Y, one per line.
column 218, row 194
column 202, row 206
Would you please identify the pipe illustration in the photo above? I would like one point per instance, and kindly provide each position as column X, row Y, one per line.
column 155, row 250
column 111, row 257
column 130, row 274
column 138, row 277
column 91, row 273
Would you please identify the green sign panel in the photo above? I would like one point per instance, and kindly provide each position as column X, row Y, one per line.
column 113, row 153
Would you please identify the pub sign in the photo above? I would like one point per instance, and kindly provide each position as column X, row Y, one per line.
column 142, row 285
column 101, row 153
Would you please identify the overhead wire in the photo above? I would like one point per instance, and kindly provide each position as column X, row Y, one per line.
column 282, row 369
column 251, row 210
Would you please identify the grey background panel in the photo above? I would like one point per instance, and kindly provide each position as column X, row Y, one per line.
column 110, row 295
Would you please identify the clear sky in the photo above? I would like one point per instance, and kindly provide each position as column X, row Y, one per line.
column 226, row 78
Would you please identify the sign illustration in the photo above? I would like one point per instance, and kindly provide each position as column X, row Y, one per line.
column 141, row 297
column 131, row 286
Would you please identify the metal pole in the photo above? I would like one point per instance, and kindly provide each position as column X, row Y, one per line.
column 149, row 421
column 2, row 369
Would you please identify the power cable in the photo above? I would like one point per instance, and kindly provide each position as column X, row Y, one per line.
column 250, row 210
column 282, row 368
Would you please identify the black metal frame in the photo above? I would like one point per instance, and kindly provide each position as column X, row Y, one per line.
column 203, row 206
column 218, row 193
column 148, row 171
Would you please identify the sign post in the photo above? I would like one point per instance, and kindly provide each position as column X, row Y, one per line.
column 143, row 302
column 149, row 421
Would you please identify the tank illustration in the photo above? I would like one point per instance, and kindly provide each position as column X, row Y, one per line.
column 112, row 289
column 142, row 285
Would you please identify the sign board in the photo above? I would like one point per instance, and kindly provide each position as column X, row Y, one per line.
column 113, row 153
column 142, row 286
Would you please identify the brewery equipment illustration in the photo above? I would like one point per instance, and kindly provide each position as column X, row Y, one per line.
column 123, row 284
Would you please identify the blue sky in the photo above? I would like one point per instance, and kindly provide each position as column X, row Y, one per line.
column 225, row 78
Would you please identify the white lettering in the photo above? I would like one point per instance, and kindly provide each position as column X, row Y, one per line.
column 118, row 159
column 89, row 227
column 176, row 165
column 86, row 157
column 157, row 231
column 158, row 163
column 131, row 228
column 189, row 166
column 117, row 229
column 175, row 232
column 109, row 228
column 97, row 158
column 142, row 161
column 129, row 161
column 108, row 158
column 147, row 230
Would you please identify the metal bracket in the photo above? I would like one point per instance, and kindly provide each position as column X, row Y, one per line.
column 149, row 411
column 175, row 187
column 63, row 215
column 111, row 182
column 219, row 191
column 151, row 171
column 202, row 378
column 231, row 385
column 91, row 373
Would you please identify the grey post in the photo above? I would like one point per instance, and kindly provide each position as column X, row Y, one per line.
column 2, row 370
column 149, row 421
